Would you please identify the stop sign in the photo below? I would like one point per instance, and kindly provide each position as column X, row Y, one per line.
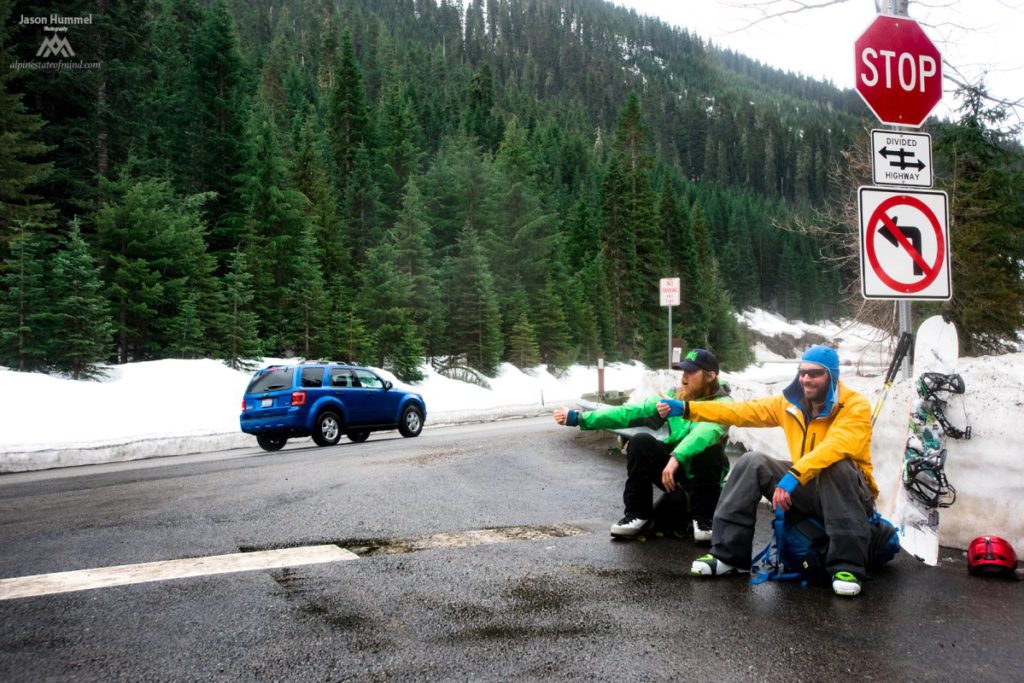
column 899, row 71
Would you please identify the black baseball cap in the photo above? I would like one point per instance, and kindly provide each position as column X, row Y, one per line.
column 697, row 359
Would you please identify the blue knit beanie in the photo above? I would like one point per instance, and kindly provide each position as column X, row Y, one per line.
column 826, row 357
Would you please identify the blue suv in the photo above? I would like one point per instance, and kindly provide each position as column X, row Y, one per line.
column 326, row 400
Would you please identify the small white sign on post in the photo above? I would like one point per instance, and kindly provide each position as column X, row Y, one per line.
column 669, row 291
column 901, row 158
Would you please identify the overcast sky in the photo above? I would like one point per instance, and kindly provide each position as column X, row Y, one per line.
column 972, row 35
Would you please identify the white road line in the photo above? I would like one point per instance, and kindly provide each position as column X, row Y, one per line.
column 124, row 575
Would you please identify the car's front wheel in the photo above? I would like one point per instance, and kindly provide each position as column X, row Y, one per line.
column 412, row 422
column 271, row 442
column 327, row 430
column 358, row 435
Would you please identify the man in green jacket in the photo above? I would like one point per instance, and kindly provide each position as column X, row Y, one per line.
column 691, row 456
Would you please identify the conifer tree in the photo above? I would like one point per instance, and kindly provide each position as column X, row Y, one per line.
column 553, row 335
column 310, row 177
column 474, row 320
column 186, row 331
column 348, row 338
column 219, row 153
column 522, row 344
column 984, row 175
column 274, row 223
column 305, row 298
column 413, row 257
column 26, row 323
column 386, row 305
column 629, row 238
column 348, row 115
column 20, row 152
column 80, row 311
column 241, row 340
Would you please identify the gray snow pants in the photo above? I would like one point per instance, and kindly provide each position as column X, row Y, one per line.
column 838, row 497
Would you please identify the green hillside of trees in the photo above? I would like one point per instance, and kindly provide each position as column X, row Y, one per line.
column 382, row 181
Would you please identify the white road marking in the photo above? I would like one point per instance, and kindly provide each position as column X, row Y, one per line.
column 124, row 575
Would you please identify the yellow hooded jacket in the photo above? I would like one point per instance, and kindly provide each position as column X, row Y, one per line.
column 844, row 432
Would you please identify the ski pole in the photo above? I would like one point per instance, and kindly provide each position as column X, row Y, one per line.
column 902, row 348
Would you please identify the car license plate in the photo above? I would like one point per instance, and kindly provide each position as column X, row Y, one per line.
column 266, row 403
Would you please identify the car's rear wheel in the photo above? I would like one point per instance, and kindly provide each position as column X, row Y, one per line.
column 271, row 441
column 327, row 430
column 358, row 435
column 412, row 422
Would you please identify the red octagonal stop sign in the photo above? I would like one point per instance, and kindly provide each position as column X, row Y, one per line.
column 899, row 71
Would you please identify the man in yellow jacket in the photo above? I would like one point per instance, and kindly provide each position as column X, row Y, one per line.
column 828, row 431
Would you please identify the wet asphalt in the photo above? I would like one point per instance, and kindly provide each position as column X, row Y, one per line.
column 424, row 601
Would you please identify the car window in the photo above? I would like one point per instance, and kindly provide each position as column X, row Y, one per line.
column 271, row 379
column 368, row 380
column 312, row 377
column 342, row 377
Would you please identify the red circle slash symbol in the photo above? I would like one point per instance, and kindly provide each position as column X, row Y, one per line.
column 880, row 219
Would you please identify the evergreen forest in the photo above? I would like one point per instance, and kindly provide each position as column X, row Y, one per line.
column 470, row 183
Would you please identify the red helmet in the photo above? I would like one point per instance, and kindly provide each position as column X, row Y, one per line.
column 991, row 555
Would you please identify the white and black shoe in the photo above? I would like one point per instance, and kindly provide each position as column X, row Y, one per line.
column 702, row 531
column 630, row 526
column 709, row 565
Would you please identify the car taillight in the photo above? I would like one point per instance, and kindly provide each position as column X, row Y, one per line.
column 243, row 405
column 298, row 398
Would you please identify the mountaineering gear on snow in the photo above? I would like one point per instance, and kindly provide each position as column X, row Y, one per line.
column 845, row 583
column 991, row 556
column 924, row 459
column 847, row 426
column 709, row 565
column 630, row 526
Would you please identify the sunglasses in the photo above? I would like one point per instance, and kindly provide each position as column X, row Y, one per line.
column 811, row 372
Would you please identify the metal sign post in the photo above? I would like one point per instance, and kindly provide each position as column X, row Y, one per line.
column 670, row 298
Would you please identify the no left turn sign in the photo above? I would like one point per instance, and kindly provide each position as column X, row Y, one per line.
column 905, row 250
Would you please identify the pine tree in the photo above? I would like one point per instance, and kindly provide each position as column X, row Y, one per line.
column 187, row 332
column 386, row 308
column 348, row 115
column 219, row 154
column 274, row 223
column 26, row 323
column 80, row 311
column 474, row 320
column 348, row 338
column 305, row 299
column 522, row 344
column 414, row 259
column 242, row 343
column 984, row 172
column 311, row 178
column 20, row 152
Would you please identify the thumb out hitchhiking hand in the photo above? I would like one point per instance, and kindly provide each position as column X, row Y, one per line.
column 676, row 408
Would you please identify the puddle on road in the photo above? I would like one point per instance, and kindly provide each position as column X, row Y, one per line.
column 365, row 547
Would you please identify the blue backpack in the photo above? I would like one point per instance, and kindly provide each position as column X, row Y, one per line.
column 797, row 549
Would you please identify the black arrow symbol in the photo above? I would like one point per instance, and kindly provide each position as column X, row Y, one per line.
column 902, row 155
column 911, row 233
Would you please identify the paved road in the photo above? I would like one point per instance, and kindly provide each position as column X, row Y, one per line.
column 544, row 595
